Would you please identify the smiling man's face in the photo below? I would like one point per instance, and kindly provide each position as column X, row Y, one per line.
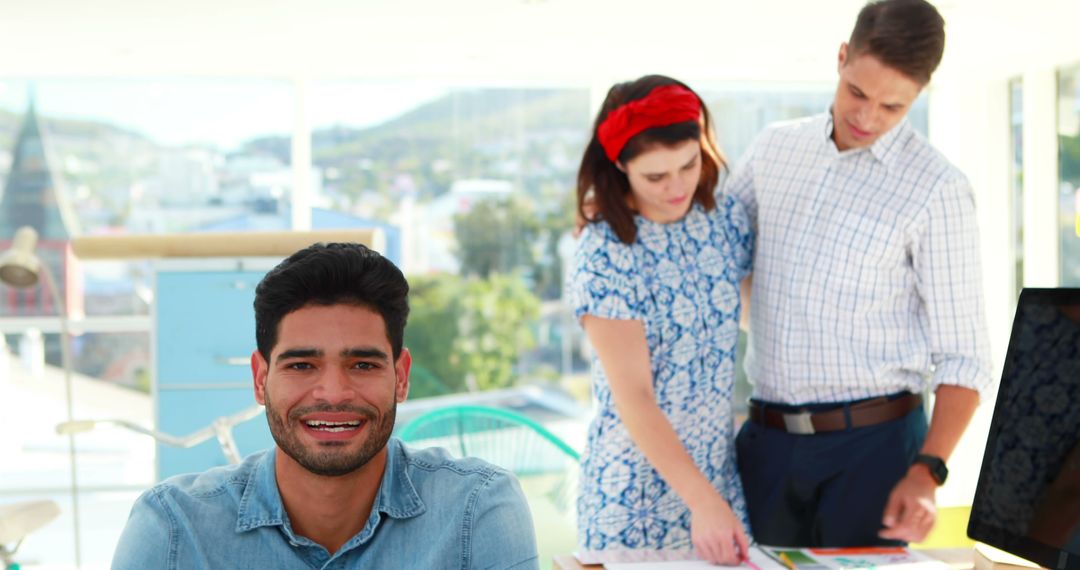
column 331, row 387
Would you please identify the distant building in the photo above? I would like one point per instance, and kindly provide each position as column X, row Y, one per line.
column 34, row 196
column 430, row 241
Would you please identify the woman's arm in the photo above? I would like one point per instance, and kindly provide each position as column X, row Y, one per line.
column 715, row 531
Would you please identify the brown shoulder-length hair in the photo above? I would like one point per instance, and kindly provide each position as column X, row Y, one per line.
column 603, row 189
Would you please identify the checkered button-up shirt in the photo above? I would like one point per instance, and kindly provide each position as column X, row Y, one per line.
column 866, row 271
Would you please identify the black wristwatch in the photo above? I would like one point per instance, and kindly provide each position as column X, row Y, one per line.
column 936, row 465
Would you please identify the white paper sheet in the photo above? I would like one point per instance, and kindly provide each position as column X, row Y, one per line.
column 648, row 561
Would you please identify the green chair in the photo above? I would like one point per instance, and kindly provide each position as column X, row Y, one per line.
column 544, row 464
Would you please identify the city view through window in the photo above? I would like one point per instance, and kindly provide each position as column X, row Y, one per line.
column 472, row 187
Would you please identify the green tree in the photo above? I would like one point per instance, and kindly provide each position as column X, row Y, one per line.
column 467, row 333
column 494, row 329
column 432, row 327
column 553, row 225
column 497, row 236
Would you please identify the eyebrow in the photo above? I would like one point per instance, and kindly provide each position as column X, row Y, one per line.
column 688, row 163
column 356, row 352
column 365, row 352
column 691, row 161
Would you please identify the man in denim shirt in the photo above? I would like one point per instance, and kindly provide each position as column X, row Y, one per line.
column 337, row 491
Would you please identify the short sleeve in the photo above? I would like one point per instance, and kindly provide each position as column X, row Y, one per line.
column 604, row 278
column 740, row 235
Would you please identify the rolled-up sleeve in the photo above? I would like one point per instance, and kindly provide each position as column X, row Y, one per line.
column 949, row 281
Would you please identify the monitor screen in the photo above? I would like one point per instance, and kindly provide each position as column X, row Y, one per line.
column 1028, row 498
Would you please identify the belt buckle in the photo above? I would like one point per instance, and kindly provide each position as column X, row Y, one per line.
column 799, row 423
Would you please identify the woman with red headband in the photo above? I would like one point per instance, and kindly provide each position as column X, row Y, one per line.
column 655, row 283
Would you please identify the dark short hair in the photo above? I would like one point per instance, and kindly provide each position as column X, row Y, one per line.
column 906, row 35
column 606, row 188
column 330, row 274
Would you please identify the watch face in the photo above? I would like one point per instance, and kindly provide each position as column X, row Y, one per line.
column 936, row 466
column 940, row 473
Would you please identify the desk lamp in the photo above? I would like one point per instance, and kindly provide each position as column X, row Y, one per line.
column 21, row 268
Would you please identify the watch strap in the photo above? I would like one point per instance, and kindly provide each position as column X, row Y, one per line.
column 936, row 465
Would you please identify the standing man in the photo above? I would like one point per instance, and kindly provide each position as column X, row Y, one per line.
column 337, row 491
column 866, row 292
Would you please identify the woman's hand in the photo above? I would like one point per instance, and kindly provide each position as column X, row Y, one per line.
column 716, row 532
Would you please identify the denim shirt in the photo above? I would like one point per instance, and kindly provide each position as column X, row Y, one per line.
column 431, row 511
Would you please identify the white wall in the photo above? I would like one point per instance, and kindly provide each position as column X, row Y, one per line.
column 989, row 44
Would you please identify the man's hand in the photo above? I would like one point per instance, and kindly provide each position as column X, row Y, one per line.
column 717, row 534
column 910, row 512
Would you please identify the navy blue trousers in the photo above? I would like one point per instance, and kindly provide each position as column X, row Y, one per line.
column 825, row 489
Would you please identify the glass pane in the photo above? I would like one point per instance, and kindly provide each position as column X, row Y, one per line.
column 1069, row 174
column 93, row 157
column 474, row 187
column 740, row 112
column 108, row 382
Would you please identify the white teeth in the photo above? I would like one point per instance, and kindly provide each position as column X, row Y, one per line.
column 332, row 427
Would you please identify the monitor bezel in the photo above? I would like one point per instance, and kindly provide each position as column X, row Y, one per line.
column 1025, row 547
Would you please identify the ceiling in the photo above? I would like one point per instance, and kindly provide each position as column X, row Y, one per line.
column 594, row 41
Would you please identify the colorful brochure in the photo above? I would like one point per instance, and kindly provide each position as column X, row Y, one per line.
column 859, row 558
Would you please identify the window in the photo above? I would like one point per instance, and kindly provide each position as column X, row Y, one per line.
column 91, row 157
column 1069, row 174
column 473, row 186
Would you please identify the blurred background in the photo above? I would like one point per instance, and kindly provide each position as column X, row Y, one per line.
column 454, row 131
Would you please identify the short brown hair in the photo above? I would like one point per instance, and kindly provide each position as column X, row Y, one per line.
column 602, row 189
column 906, row 35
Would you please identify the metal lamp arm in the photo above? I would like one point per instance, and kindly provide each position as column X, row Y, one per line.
column 221, row 428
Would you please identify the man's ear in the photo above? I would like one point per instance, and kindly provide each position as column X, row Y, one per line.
column 259, row 369
column 841, row 58
column 401, row 371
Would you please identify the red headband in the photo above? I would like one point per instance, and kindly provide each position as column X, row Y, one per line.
column 663, row 106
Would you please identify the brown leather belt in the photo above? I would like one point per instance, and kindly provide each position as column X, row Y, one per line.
column 864, row 413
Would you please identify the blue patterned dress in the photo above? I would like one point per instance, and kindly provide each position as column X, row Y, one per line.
column 682, row 280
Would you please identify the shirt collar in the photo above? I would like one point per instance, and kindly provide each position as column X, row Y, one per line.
column 885, row 149
column 397, row 494
column 643, row 223
column 261, row 503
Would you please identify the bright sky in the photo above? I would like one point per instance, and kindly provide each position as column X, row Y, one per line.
column 221, row 112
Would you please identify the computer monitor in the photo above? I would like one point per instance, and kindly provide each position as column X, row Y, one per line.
column 1028, row 498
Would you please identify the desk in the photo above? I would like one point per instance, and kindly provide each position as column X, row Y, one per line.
column 956, row 558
